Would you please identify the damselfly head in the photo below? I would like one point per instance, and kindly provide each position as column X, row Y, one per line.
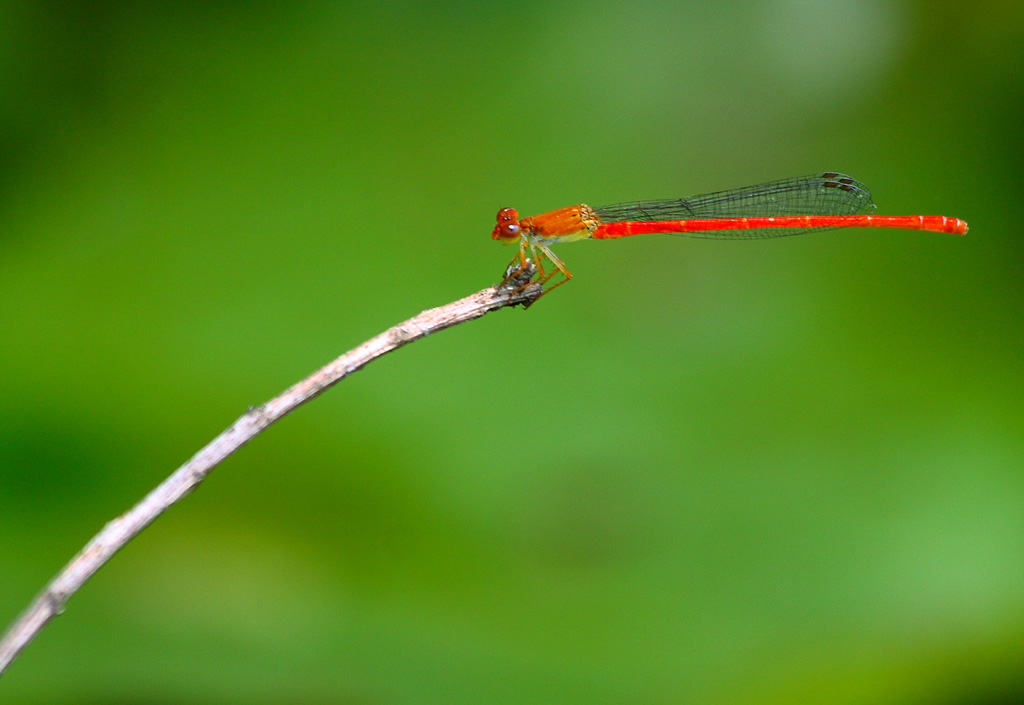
column 508, row 228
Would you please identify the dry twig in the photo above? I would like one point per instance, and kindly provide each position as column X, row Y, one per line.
column 516, row 290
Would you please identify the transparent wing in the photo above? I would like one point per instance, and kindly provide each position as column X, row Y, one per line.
column 828, row 193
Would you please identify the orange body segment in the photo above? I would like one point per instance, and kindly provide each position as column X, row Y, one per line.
column 931, row 223
column 562, row 223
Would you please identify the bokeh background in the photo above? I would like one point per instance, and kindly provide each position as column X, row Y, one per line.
column 703, row 472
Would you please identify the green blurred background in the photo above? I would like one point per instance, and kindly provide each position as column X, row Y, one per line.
column 703, row 472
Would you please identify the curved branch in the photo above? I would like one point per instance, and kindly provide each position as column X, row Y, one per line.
column 515, row 290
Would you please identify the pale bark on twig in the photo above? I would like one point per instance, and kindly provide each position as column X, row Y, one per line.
column 516, row 290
